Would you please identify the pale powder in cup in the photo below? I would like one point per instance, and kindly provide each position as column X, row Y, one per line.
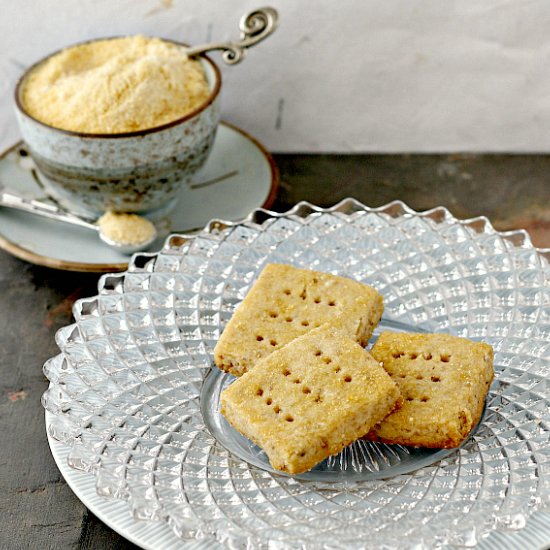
column 115, row 86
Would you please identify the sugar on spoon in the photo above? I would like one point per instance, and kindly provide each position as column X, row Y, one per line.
column 133, row 233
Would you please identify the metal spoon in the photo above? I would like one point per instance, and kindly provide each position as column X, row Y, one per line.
column 48, row 210
column 254, row 26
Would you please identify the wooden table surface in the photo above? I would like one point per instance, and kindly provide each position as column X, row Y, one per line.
column 38, row 510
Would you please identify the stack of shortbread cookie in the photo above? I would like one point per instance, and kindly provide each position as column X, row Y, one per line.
column 307, row 387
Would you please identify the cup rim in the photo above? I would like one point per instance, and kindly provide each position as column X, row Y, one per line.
column 135, row 133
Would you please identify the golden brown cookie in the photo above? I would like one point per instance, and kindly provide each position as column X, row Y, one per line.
column 310, row 399
column 286, row 302
column 444, row 381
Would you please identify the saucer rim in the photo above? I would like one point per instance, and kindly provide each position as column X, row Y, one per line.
column 19, row 251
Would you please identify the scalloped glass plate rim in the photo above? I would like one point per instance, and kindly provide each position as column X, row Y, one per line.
column 518, row 238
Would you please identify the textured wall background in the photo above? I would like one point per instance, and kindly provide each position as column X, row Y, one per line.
column 359, row 75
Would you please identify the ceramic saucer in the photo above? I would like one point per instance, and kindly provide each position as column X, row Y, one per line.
column 239, row 176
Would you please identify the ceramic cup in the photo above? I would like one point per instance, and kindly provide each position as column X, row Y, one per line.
column 143, row 171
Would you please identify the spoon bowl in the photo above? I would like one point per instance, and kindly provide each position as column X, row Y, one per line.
column 125, row 232
column 124, row 248
column 53, row 212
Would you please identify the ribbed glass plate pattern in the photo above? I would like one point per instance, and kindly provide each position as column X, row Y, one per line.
column 125, row 391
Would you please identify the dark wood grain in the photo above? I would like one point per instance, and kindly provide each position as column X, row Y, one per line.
column 512, row 190
column 38, row 510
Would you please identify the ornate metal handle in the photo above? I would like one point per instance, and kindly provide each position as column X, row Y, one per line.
column 254, row 26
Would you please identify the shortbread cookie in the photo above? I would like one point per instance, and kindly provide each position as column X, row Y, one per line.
column 310, row 399
column 286, row 302
column 444, row 381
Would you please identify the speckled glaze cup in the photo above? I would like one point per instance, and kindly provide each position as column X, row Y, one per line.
column 143, row 171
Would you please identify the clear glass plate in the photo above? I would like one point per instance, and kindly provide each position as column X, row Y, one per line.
column 134, row 395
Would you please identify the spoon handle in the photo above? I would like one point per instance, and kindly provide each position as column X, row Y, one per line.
column 43, row 209
column 254, row 26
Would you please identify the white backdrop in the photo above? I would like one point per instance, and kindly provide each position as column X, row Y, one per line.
column 352, row 75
